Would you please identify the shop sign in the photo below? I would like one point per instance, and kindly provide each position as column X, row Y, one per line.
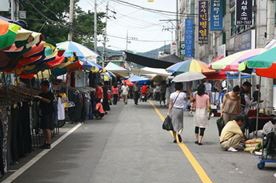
column 5, row 5
column 173, row 48
column 203, row 22
column 245, row 41
column 221, row 51
column 216, row 15
column 244, row 12
column 189, row 37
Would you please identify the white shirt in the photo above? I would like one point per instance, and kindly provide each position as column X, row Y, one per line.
column 124, row 90
column 180, row 101
column 208, row 86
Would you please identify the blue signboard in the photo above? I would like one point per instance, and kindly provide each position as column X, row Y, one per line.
column 216, row 17
column 189, row 37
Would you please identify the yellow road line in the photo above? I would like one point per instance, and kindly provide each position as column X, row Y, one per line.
column 195, row 164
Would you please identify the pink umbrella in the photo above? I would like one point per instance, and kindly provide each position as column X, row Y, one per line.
column 231, row 62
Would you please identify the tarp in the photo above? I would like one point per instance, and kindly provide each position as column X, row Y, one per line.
column 148, row 62
column 149, row 70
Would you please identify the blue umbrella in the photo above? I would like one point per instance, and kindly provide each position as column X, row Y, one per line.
column 81, row 51
column 88, row 64
column 139, row 79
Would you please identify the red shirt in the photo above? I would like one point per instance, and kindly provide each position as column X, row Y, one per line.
column 115, row 91
column 144, row 89
column 99, row 107
column 99, row 92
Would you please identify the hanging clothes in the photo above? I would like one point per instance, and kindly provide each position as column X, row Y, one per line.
column 61, row 111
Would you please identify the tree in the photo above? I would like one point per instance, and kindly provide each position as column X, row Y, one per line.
column 50, row 17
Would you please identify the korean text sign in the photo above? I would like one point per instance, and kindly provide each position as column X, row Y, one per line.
column 216, row 15
column 189, row 37
column 203, row 22
column 244, row 12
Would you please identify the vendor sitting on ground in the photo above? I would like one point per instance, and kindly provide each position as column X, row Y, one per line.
column 232, row 137
column 99, row 114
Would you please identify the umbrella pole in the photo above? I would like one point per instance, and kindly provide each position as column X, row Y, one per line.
column 258, row 106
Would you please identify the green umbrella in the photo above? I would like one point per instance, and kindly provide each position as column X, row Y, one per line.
column 8, row 39
column 264, row 60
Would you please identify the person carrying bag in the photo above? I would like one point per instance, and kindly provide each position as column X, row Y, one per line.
column 176, row 106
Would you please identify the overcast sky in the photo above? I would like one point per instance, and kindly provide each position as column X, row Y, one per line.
column 141, row 24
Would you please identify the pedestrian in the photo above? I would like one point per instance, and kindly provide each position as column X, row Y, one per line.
column 99, row 92
column 245, row 97
column 256, row 93
column 176, row 105
column 136, row 90
column 232, row 137
column 125, row 90
column 144, row 92
column 46, row 107
column 115, row 94
column 163, row 93
column 99, row 114
column 201, row 105
column 105, row 99
column 231, row 105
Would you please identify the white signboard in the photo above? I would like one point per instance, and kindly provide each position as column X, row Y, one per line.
column 22, row 14
column 4, row 5
column 173, row 48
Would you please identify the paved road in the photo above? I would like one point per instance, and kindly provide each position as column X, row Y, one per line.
column 128, row 146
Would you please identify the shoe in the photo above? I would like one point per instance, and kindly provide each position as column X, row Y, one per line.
column 199, row 143
column 174, row 141
column 179, row 138
column 196, row 142
column 45, row 146
column 232, row 149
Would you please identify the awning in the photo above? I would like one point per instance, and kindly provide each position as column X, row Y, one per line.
column 148, row 62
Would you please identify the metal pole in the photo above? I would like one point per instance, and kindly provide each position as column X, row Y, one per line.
column 127, row 41
column 177, row 30
column 258, row 106
column 95, row 25
column 71, row 19
column 105, row 32
column 13, row 9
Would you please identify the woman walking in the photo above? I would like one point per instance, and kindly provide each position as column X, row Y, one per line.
column 176, row 105
column 201, row 105
column 231, row 105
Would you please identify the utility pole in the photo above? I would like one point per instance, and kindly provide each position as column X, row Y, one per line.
column 13, row 9
column 71, row 19
column 177, row 30
column 95, row 25
column 127, row 41
column 105, row 38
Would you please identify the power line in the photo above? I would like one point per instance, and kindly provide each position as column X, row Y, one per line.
column 164, row 12
column 139, row 40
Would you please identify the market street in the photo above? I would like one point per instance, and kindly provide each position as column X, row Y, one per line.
column 128, row 145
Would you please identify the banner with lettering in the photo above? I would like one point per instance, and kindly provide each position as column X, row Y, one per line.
column 244, row 12
column 203, row 22
column 216, row 15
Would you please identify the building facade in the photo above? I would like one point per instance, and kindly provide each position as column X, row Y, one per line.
column 231, row 38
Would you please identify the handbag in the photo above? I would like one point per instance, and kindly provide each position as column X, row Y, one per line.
column 167, row 124
column 220, row 125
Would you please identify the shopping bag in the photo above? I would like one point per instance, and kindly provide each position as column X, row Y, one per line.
column 220, row 125
column 167, row 124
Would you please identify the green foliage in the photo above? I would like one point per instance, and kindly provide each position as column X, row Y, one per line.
column 50, row 17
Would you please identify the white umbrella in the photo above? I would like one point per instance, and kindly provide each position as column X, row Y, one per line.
column 188, row 76
column 81, row 51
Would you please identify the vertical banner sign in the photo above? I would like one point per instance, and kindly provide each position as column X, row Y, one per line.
column 244, row 12
column 216, row 15
column 189, row 37
column 203, row 22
